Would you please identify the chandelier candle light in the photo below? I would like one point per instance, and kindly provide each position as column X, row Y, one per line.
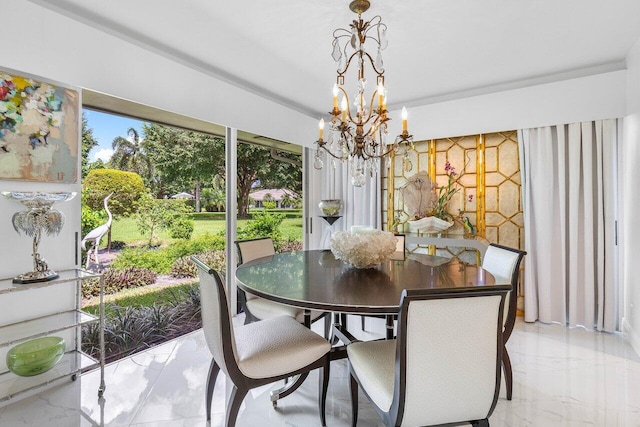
column 358, row 129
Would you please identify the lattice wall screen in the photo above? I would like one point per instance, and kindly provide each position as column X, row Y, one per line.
column 489, row 171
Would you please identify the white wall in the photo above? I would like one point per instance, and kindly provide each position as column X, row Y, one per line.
column 52, row 45
column 631, row 198
column 600, row 96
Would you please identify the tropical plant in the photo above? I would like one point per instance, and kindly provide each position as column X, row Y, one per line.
column 116, row 280
column 184, row 267
column 129, row 155
column 134, row 328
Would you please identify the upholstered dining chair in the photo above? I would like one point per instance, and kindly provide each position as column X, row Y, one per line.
column 256, row 308
column 437, row 371
column 256, row 354
column 504, row 264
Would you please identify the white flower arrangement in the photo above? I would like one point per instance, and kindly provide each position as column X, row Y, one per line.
column 363, row 250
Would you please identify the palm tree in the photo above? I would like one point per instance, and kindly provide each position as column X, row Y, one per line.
column 129, row 155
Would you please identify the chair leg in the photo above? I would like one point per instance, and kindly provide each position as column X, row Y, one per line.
column 214, row 369
column 508, row 373
column 389, row 326
column 353, row 387
column 327, row 326
column 233, row 407
column 324, row 385
column 343, row 320
column 336, row 320
column 480, row 423
column 292, row 386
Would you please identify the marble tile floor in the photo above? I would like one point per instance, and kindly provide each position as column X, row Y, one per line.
column 562, row 377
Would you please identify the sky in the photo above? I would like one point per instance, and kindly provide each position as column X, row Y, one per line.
column 106, row 127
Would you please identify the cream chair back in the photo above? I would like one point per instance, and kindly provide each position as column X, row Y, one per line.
column 449, row 357
column 216, row 319
column 504, row 264
column 248, row 250
column 500, row 262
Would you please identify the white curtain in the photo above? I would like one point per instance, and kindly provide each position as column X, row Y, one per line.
column 568, row 186
column 360, row 205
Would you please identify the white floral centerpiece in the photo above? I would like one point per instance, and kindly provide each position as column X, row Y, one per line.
column 363, row 247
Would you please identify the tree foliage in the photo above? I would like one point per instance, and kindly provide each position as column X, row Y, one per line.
column 88, row 142
column 172, row 160
column 127, row 189
column 130, row 155
column 155, row 214
column 255, row 164
column 183, row 160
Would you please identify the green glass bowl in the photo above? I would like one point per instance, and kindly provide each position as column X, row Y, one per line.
column 36, row 356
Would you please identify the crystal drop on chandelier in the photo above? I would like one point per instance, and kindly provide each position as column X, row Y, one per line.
column 337, row 53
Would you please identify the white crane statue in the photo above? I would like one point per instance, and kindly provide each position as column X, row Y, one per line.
column 96, row 235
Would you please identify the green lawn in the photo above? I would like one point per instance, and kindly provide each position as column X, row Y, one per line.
column 126, row 230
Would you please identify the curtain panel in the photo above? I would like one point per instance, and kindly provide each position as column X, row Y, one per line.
column 568, row 186
column 360, row 205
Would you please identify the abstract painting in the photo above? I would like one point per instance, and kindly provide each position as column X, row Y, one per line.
column 39, row 130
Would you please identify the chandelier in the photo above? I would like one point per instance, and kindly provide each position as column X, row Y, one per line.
column 358, row 126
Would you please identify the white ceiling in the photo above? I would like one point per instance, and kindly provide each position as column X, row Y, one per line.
column 438, row 50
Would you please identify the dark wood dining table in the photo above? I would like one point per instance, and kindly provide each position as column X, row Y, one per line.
column 316, row 280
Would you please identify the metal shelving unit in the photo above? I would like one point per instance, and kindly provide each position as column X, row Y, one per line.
column 74, row 361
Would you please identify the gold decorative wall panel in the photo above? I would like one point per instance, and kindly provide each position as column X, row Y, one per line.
column 489, row 177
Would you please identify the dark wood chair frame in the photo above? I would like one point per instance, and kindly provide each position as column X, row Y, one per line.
column 241, row 383
column 394, row 416
column 511, row 318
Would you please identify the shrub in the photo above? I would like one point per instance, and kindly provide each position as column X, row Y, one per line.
column 116, row 280
column 127, row 189
column 269, row 204
column 152, row 259
column 184, row 267
column 288, row 246
column 118, row 245
column 263, row 224
column 161, row 260
column 91, row 219
column 182, row 228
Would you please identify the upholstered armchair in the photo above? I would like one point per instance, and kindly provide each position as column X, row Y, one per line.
column 437, row 371
column 256, row 354
column 504, row 264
